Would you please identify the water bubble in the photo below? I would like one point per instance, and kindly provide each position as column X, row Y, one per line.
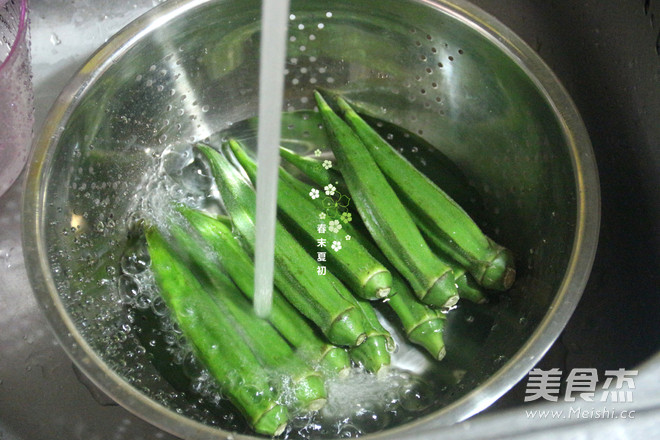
column 159, row 307
column 415, row 397
column 347, row 430
column 371, row 421
column 191, row 366
column 142, row 302
column 135, row 262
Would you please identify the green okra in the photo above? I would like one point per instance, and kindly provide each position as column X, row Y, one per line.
column 446, row 174
column 423, row 325
column 284, row 317
column 449, row 225
column 385, row 217
column 216, row 341
column 374, row 353
column 306, row 384
column 362, row 273
column 315, row 296
column 465, row 284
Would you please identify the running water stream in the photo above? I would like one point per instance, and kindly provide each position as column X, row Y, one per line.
column 274, row 19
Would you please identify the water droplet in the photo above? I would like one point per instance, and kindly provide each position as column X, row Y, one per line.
column 499, row 360
column 55, row 40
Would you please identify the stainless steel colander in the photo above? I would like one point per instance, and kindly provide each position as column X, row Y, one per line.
column 188, row 70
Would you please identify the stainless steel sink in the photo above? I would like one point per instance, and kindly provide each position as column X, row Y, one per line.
column 607, row 55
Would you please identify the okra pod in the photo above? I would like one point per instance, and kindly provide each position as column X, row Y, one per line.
column 307, row 389
column 385, row 217
column 423, row 325
column 465, row 284
column 216, row 340
column 284, row 317
column 362, row 273
column 452, row 228
column 374, row 353
column 315, row 296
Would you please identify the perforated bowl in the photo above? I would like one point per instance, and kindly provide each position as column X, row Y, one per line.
column 445, row 71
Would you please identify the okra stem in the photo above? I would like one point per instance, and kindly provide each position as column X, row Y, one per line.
column 216, row 341
column 385, row 217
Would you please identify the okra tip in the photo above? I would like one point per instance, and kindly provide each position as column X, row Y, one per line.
column 347, row 329
column 335, row 361
column 373, row 354
column 443, row 293
column 429, row 334
column 273, row 421
column 500, row 273
column 310, row 392
column 344, row 107
column 379, row 285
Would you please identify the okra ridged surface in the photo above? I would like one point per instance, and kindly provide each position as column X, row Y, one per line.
column 385, row 217
column 451, row 228
column 422, row 325
column 286, row 319
column 216, row 341
column 361, row 273
column 315, row 297
column 307, row 389
column 466, row 286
